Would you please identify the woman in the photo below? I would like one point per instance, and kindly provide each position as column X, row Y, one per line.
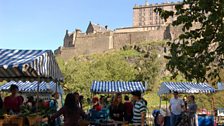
column 117, row 108
column 192, row 109
column 96, row 105
column 13, row 102
column 70, row 111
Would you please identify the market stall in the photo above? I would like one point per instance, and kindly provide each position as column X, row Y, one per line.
column 32, row 65
column 188, row 88
column 112, row 87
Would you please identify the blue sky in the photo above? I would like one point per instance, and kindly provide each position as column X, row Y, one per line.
column 41, row 24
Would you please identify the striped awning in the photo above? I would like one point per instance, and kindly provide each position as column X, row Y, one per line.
column 31, row 87
column 116, row 87
column 28, row 65
column 185, row 87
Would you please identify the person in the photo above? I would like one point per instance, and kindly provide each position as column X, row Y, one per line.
column 81, row 101
column 128, row 109
column 117, row 108
column 96, row 105
column 185, row 102
column 76, row 94
column 1, row 105
column 31, row 103
column 192, row 109
column 54, row 107
column 176, row 106
column 102, row 101
column 139, row 109
column 13, row 102
column 70, row 111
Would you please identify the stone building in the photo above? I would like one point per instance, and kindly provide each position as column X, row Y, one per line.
column 144, row 15
column 147, row 26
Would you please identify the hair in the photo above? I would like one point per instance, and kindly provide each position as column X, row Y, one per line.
column 192, row 96
column 137, row 93
column 95, row 99
column 76, row 93
column 126, row 98
column 13, row 87
column 81, row 98
column 175, row 92
column 102, row 97
column 115, row 100
column 70, row 103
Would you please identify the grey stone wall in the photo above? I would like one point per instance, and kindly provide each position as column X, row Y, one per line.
column 101, row 42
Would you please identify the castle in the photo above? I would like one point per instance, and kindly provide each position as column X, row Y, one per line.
column 147, row 26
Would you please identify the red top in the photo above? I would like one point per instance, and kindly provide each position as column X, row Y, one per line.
column 97, row 107
column 13, row 103
column 128, row 106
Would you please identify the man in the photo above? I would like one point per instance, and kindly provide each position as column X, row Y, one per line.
column 176, row 108
column 139, row 110
column 13, row 102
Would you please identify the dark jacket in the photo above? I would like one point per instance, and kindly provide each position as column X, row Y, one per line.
column 119, row 109
column 69, row 119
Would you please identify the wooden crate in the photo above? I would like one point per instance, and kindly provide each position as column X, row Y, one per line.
column 13, row 121
column 33, row 120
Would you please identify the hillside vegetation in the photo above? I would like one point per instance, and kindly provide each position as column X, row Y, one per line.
column 143, row 62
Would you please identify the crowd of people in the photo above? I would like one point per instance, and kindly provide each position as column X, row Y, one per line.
column 132, row 110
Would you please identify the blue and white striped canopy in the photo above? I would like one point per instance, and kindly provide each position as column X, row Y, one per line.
column 185, row 87
column 28, row 65
column 31, row 87
column 116, row 87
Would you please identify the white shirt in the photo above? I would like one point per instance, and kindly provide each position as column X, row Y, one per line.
column 176, row 106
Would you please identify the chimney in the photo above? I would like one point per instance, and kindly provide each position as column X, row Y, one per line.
column 66, row 32
column 106, row 26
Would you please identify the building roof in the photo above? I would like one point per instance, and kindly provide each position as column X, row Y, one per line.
column 99, row 28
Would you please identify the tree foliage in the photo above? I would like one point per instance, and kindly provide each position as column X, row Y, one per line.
column 199, row 51
column 80, row 72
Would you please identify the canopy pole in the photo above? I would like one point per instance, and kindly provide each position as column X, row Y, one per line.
column 56, row 87
column 38, row 86
column 166, row 102
column 160, row 100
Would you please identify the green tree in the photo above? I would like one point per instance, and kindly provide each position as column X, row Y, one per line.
column 199, row 51
column 149, row 69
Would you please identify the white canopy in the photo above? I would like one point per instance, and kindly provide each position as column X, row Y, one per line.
column 185, row 87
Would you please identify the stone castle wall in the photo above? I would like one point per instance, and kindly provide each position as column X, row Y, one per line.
column 92, row 43
column 102, row 42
